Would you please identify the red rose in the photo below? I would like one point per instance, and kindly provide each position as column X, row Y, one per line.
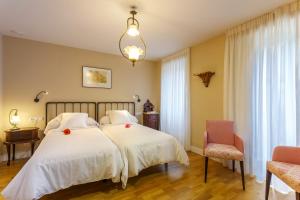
column 127, row 125
column 67, row 131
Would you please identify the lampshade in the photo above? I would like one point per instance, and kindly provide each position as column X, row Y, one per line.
column 131, row 44
column 15, row 119
column 133, row 30
column 133, row 52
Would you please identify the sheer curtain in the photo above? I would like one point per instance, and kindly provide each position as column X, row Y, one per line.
column 175, row 97
column 262, row 85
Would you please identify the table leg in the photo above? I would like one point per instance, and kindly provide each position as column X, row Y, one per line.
column 32, row 148
column 8, row 154
column 14, row 151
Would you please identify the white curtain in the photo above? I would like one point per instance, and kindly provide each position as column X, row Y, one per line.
column 262, row 85
column 175, row 97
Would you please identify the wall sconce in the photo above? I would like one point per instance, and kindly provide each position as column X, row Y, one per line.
column 14, row 119
column 137, row 98
column 40, row 95
column 206, row 76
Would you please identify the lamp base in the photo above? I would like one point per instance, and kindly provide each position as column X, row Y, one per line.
column 14, row 128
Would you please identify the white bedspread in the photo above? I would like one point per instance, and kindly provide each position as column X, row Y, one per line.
column 60, row 161
column 142, row 147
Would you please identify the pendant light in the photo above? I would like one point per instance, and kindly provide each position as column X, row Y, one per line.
column 131, row 44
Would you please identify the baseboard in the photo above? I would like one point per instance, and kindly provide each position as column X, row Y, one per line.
column 197, row 150
column 19, row 155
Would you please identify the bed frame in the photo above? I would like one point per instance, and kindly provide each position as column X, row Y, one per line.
column 95, row 110
column 54, row 108
column 102, row 107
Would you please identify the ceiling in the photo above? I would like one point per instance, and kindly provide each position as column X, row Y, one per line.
column 166, row 25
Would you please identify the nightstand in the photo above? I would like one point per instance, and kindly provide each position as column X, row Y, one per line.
column 20, row 136
column 151, row 120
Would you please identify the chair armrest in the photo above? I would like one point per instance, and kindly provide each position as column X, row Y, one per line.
column 239, row 143
column 287, row 154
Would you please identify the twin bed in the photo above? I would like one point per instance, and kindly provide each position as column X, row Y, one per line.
column 117, row 148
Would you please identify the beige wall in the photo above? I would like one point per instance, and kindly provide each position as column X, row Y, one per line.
column 1, row 83
column 206, row 103
column 31, row 66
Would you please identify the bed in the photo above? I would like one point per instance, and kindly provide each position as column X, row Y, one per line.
column 60, row 161
column 141, row 147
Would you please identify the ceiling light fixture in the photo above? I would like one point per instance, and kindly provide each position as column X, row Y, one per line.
column 131, row 44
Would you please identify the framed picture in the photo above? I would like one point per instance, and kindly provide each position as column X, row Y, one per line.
column 96, row 77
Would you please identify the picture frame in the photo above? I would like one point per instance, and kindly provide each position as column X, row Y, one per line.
column 94, row 77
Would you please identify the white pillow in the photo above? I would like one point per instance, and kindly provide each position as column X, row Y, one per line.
column 104, row 120
column 91, row 122
column 133, row 119
column 74, row 121
column 53, row 124
column 119, row 116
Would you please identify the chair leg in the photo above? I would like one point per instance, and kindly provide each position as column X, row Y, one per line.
column 297, row 196
column 233, row 165
column 206, row 166
column 268, row 183
column 242, row 173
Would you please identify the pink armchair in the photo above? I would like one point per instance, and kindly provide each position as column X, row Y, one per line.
column 220, row 141
column 285, row 165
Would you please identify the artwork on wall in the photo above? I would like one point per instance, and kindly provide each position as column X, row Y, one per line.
column 96, row 77
column 206, row 76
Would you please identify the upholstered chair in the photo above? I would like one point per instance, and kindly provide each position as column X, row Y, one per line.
column 221, row 141
column 285, row 165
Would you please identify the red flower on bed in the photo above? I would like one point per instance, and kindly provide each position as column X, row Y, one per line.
column 127, row 125
column 67, row 131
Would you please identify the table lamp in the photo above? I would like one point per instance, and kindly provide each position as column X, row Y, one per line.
column 14, row 119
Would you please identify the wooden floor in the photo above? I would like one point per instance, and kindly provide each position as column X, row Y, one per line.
column 154, row 183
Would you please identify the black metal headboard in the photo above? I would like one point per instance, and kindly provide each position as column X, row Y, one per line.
column 102, row 107
column 55, row 108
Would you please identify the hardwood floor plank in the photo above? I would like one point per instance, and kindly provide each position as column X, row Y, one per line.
column 179, row 183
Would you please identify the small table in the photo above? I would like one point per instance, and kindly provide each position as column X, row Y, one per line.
column 151, row 120
column 20, row 136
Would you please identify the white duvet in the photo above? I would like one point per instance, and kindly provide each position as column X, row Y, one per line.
column 60, row 161
column 142, row 147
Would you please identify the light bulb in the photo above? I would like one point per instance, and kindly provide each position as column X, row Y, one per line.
column 133, row 52
column 133, row 30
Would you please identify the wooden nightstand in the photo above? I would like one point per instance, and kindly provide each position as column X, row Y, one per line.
column 151, row 119
column 20, row 136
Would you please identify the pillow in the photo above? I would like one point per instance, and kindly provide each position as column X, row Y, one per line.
column 74, row 121
column 104, row 120
column 133, row 119
column 92, row 122
column 119, row 116
column 53, row 124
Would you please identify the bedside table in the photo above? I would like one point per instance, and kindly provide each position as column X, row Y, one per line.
column 151, row 120
column 20, row 136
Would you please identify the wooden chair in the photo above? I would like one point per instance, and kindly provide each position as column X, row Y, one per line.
column 220, row 141
column 285, row 165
